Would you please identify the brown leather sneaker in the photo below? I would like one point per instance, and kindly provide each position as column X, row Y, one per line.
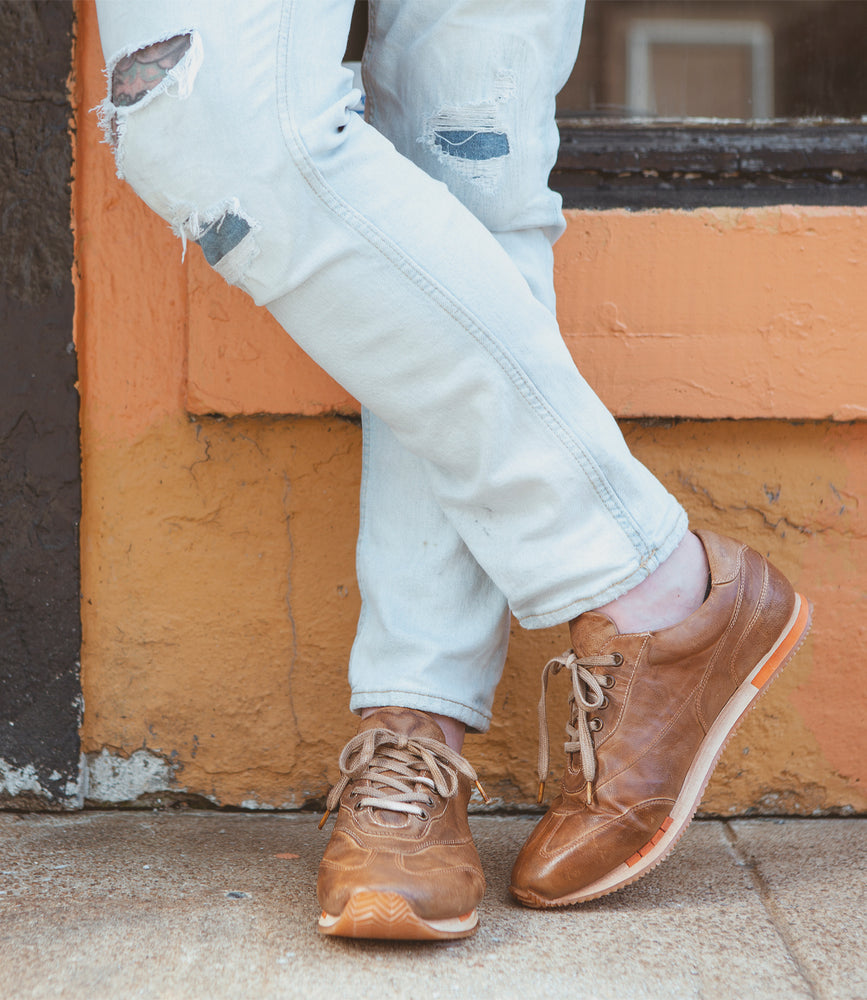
column 401, row 862
column 650, row 716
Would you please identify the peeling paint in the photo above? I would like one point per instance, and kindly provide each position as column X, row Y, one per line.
column 111, row 778
column 24, row 784
column 15, row 780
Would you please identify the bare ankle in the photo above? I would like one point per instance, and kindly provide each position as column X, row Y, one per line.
column 453, row 730
column 672, row 592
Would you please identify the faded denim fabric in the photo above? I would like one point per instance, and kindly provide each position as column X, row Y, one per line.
column 410, row 256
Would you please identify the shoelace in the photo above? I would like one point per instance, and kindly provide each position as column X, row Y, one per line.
column 587, row 696
column 397, row 772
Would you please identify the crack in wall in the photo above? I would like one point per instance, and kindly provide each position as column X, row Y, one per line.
column 783, row 522
column 290, row 616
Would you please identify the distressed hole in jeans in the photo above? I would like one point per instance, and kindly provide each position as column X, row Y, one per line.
column 222, row 237
column 225, row 234
column 470, row 144
column 472, row 139
column 140, row 75
column 135, row 75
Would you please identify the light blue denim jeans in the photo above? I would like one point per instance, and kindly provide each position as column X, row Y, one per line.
column 410, row 256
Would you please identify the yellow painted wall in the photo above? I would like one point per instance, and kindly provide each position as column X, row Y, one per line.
column 217, row 551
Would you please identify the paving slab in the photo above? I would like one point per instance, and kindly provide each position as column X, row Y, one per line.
column 207, row 904
column 814, row 883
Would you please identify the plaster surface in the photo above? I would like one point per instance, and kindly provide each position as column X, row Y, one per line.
column 220, row 604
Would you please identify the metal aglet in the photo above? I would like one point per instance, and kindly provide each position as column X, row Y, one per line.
column 589, row 793
column 482, row 792
column 541, row 792
column 324, row 819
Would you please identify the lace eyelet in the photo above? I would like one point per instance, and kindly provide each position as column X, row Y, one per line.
column 607, row 681
column 605, row 703
column 595, row 725
column 430, row 802
column 618, row 659
column 423, row 815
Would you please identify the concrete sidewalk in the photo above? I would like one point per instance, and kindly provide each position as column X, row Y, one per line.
column 213, row 905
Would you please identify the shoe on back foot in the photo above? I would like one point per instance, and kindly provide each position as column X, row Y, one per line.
column 401, row 862
column 650, row 716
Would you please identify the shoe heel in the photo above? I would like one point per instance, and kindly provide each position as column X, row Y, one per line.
column 388, row 916
column 787, row 645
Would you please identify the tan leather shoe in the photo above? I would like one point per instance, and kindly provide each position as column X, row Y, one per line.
column 650, row 716
column 401, row 862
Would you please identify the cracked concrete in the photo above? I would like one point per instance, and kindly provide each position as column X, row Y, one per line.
column 168, row 904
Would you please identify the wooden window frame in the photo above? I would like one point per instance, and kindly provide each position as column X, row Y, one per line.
column 640, row 164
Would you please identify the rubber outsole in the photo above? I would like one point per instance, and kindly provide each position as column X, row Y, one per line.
column 387, row 915
column 663, row 841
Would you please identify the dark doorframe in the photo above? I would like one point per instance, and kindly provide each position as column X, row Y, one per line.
column 40, row 490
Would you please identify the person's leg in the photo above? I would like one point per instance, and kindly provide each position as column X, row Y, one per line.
column 749, row 606
column 674, row 592
column 433, row 628
column 433, row 625
column 452, row 350
column 429, row 610
column 389, row 282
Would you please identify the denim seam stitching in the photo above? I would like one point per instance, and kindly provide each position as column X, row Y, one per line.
column 362, row 521
column 570, row 440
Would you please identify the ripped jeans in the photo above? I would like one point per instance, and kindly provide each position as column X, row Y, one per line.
column 410, row 256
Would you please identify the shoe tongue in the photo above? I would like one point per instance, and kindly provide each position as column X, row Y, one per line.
column 590, row 632
column 406, row 721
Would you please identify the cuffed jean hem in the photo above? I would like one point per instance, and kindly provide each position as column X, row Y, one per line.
column 654, row 558
column 476, row 721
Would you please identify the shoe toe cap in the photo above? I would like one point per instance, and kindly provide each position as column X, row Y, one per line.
column 569, row 851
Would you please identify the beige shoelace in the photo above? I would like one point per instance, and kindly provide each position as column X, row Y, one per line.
column 587, row 696
column 398, row 773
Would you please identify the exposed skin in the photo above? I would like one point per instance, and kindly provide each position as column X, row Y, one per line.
column 672, row 592
column 137, row 74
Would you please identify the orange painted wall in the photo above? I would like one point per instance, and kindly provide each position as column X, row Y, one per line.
column 734, row 313
column 217, row 551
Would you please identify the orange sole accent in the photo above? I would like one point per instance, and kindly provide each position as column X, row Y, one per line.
column 786, row 646
column 648, row 847
column 387, row 915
